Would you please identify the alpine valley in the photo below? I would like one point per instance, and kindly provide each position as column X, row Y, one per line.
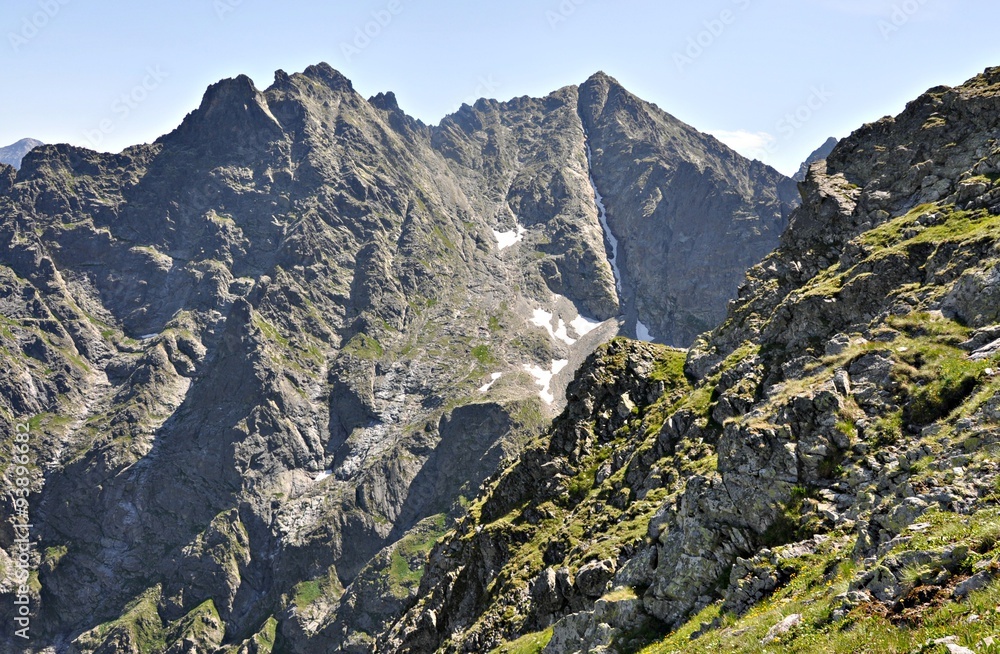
column 307, row 375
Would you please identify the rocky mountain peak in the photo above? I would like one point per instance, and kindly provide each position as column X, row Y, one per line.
column 600, row 79
column 325, row 73
column 385, row 101
column 598, row 91
column 236, row 89
column 232, row 110
column 631, row 143
column 12, row 155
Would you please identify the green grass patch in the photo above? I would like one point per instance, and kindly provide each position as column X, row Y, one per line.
column 483, row 355
column 53, row 555
column 670, row 368
column 580, row 485
column 954, row 227
column 826, row 284
column 306, row 593
column 364, row 346
column 408, row 560
column 140, row 620
column 270, row 331
column 936, row 376
column 528, row 644
column 266, row 636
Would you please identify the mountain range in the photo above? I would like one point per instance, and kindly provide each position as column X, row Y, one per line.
column 303, row 327
column 308, row 375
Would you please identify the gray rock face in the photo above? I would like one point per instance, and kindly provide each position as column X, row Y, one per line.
column 677, row 193
column 592, row 580
column 12, row 154
column 258, row 352
column 975, row 299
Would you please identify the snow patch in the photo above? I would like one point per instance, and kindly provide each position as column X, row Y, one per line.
column 642, row 332
column 563, row 334
column 542, row 318
column 544, row 378
column 584, row 326
column 507, row 239
column 323, row 475
column 146, row 337
column 495, row 377
column 603, row 216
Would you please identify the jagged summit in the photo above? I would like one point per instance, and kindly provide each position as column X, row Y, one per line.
column 385, row 101
column 232, row 91
column 600, row 78
column 242, row 112
column 232, row 111
column 333, row 79
column 322, row 73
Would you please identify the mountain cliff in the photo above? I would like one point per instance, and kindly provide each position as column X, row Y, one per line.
column 261, row 365
column 817, row 473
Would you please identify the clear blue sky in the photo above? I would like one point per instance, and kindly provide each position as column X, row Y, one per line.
column 837, row 63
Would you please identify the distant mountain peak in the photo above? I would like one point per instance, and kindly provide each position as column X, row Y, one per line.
column 821, row 153
column 14, row 153
column 600, row 77
column 327, row 74
column 233, row 108
column 240, row 87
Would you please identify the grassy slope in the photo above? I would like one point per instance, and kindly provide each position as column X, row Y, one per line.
column 938, row 389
